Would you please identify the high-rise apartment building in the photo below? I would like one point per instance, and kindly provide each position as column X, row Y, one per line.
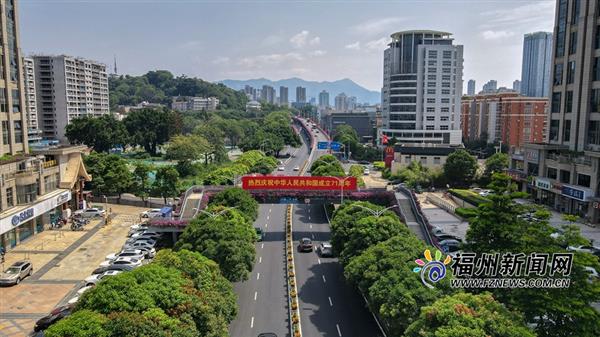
column 504, row 117
column 268, row 94
column 300, row 95
column 537, row 57
column 323, row 99
column 33, row 186
column 490, row 87
column 422, row 87
column 341, row 103
column 30, row 97
column 564, row 172
column 283, row 96
column 516, row 86
column 471, row 87
column 68, row 88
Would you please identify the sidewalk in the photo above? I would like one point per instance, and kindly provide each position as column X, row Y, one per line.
column 61, row 260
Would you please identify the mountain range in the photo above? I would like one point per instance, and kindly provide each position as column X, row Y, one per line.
column 313, row 88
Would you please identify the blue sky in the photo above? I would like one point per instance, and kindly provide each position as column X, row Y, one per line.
column 314, row 40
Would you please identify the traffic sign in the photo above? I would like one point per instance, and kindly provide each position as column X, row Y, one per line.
column 335, row 146
column 322, row 145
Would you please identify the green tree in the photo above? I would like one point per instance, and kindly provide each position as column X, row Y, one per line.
column 215, row 138
column 467, row 315
column 327, row 165
column 165, row 183
column 83, row 323
column 151, row 323
column 110, row 172
column 228, row 239
column 186, row 149
column 460, row 168
column 499, row 227
column 238, row 198
column 141, row 182
column 99, row 133
column 151, row 128
column 384, row 273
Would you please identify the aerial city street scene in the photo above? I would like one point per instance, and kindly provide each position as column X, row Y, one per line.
column 282, row 168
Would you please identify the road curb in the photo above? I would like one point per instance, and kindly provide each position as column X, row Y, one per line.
column 293, row 306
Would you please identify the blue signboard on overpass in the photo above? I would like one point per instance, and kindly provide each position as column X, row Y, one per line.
column 322, row 145
column 335, row 146
column 288, row 200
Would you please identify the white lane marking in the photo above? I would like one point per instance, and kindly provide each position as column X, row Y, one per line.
column 266, row 225
column 319, row 261
column 262, row 245
column 252, row 324
column 258, row 276
column 338, row 329
column 324, row 281
column 310, row 226
column 260, row 259
column 269, row 210
column 309, row 217
column 255, row 294
column 267, row 217
column 330, row 303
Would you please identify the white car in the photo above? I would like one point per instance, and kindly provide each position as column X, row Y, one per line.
column 151, row 213
column 366, row 172
column 296, row 168
column 146, row 234
column 73, row 300
column 83, row 289
column 94, row 279
column 134, row 253
column 141, row 238
column 89, row 213
column 139, row 244
column 125, row 260
column 281, row 168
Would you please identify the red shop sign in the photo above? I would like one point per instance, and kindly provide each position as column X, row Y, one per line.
column 298, row 183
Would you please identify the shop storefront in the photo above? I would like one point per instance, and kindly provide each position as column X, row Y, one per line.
column 544, row 195
column 573, row 200
column 25, row 221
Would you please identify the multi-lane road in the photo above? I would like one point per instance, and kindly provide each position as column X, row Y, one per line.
column 328, row 306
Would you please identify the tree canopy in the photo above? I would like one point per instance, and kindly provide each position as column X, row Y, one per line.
column 460, row 168
column 239, row 198
column 99, row 133
column 110, row 172
column 327, row 165
column 151, row 128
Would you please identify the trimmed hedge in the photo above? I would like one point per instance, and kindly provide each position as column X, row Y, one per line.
column 466, row 213
column 468, row 196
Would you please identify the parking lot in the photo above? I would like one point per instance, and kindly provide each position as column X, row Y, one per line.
column 61, row 260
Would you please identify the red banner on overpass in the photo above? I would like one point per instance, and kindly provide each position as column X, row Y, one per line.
column 298, row 183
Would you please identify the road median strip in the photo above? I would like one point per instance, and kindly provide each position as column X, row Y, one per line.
column 294, row 310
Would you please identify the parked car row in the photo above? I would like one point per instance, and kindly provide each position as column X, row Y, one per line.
column 449, row 243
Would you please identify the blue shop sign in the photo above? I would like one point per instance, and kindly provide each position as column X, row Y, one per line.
column 25, row 215
column 573, row 193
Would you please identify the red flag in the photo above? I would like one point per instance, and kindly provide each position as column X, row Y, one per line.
column 384, row 139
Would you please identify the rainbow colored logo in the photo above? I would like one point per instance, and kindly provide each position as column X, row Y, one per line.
column 434, row 270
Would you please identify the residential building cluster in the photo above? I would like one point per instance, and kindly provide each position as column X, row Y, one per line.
column 184, row 103
column 40, row 95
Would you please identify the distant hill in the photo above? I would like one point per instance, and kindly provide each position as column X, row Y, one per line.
column 313, row 88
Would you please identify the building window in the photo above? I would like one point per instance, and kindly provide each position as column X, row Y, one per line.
column 431, row 84
column 431, row 70
column 573, row 43
column 445, row 77
column 431, row 100
column 445, row 91
column 429, row 127
column 27, row 193
column 444, row 118
column 432, row 77
column 3, row 105
column 556, row 96
column 597, row 41
column 595, row 100
column 443, row 127
column 583, row 180
column 437, row 160
column 567, row 131
column 407, row 160
column 558, row 73
column 596, row 70
column 570, row 72
column 430, row 91
column 432, row 63
column 10, row 199
column 16, row 99
column 432, row 54
column 569, row 102
column 423, row 160
column 18, row 132
column 447, row 63
column 50, row 183
column 446, row 70
column 447, row 54
column 565, row 176
column 551, row 173
column 445, row 84
column 575, row 12
column 562, row 27
column 5, row 133
column 430, row 118
column 446, row 100
column 593, row 133
column 554, row 124
column 430, row 109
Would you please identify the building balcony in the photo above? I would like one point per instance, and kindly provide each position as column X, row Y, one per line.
column 567, row 158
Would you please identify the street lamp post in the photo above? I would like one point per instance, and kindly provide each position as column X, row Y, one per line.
column 342, row 180
column 375, row 213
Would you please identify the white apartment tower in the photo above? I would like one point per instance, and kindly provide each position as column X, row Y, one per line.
column 422, row 88
column 67, row 88
column 30, row 97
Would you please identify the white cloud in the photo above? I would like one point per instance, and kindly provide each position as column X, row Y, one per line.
column 265, row 60
column 532, row 16
column 303, row 38
column 221, row 60
column 496, row 35
column 317, row 52
column 353, row 46
column 377, row 45
column 378, row 26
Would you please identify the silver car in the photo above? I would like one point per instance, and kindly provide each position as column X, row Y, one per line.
column 15, row 273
